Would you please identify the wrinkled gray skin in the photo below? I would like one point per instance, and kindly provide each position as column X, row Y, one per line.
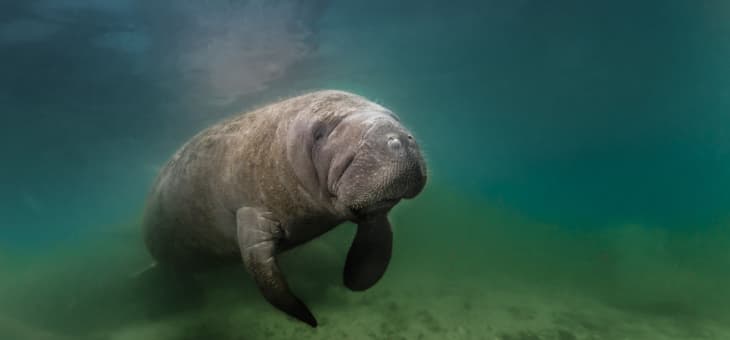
column 264, row 182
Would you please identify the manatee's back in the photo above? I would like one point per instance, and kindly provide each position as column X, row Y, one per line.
column 179, row 215
column 190, row 212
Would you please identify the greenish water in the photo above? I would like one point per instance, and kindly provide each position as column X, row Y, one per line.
column 578, row 152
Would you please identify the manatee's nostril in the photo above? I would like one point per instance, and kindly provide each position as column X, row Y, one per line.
column 394, row 143
column 410, row 137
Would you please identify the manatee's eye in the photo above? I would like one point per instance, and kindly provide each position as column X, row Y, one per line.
column 319, row 133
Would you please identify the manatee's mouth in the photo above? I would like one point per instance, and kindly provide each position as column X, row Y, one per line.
column 338, row 172
column 378, row 207
column 385, row 204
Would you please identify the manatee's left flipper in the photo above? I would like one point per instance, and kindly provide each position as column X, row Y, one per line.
column 258, row 235
column 369, row 254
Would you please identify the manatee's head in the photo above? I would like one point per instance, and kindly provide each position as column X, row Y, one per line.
column 380, row 163
column 364, row 162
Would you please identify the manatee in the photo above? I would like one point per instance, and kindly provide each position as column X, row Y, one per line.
column 263, row 182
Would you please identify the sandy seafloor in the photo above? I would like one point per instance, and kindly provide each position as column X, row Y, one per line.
column 627, row 283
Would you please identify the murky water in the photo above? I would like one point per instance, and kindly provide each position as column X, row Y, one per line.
column 578, row 151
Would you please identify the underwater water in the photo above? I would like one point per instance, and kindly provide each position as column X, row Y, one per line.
column 578, row 154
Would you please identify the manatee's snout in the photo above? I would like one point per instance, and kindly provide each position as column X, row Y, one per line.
column 409, row 169
column 387, row 167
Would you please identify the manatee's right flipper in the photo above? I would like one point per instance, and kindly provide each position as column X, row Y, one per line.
column 369, row 254
column 258, row 235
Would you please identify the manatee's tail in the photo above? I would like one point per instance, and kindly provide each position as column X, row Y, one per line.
column 165, row 291
column 151, row 267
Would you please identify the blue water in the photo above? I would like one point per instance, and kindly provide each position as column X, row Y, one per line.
column 556, row 133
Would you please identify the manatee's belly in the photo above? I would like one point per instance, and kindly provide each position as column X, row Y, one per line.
column 186, row 245
column 188, row 229
column 305, row 230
